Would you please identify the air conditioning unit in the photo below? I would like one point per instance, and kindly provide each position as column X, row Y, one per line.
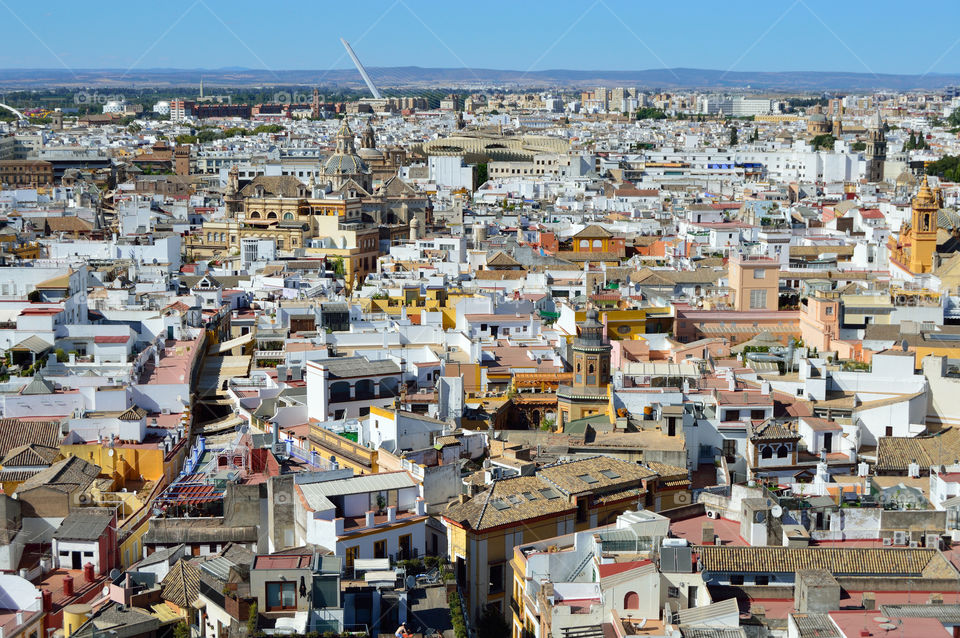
column 932, row 541
column 899, row 538
column 711, row 514
column 914, row 544
column 888, row 542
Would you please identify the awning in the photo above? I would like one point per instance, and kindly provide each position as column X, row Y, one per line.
column 32, row 344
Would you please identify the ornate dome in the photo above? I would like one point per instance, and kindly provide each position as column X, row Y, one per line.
column 345, row 161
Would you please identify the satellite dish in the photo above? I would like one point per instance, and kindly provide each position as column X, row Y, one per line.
column 110, row 452
column 115, row 573
column 759, row 517
column 106, row 590
column 776, row 511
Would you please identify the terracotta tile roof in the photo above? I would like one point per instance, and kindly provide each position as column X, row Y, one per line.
column 29, row 455
column 771, row 430
column 593, row 231
column 549, row 492
column 15, row 433
column 855, row 561
column 68, row 475
column 897, row 453
column 181, row 585
column 665, row 471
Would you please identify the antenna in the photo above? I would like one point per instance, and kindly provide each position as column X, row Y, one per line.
column 363, row 71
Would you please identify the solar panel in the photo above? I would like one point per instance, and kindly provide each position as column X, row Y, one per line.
column 529, row 496
column 500, row 504
column 549, row 493
column 586, row 478
column 610, row 474
column 516, row 500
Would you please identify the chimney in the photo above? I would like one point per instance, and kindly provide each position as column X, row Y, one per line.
column 869, row 601
column 392, row 514
column 370, row 518
column 765, row 388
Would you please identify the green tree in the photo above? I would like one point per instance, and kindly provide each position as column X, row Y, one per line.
column 251, row 621
column 921, row 141
column 822, row 142
column 947, row 168
column 481, row 173
column 859, row 146
column 733, row 136
column 182, row 630
column 650, row 113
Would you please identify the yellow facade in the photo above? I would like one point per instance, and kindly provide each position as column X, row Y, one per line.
column 915, row 248
column 122, row 463
column 347, row 453
column 434, row 300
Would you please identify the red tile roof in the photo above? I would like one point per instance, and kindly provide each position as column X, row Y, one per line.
column 610, row 569
column 111, row 339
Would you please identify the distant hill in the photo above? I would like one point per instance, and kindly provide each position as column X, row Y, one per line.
column 419, row 77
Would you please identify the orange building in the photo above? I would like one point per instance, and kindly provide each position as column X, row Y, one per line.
column 597, row 239
column 754, row 283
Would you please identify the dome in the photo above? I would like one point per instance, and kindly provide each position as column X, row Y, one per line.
column 370, row 154
column 338, row 164
column 345, row 160
column 817, row 117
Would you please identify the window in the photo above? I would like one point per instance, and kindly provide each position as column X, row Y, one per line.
column 673, row 592
column 766, row 452
column 380, row 549
column 730, row 449
column 281, row 596
column 496, row 578
column 761, row 580
column 736, row 579
column 759, row 273
column 758, row 299
column 829, row 311
column 783, row 452
column 352, row 554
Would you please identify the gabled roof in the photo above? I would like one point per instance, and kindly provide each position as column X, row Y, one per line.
column 15, row 433
column 181, row 586
column 67, row 476
column 29, row 455
column 593, row 231
column 274, row 186
column 502, row 259
column 38, row 385
column 33, row 344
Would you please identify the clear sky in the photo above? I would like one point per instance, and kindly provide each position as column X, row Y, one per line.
column 878, row 36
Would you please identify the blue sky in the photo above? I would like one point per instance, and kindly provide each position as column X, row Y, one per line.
column 780, row 35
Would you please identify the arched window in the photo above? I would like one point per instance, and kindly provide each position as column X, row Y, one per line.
column 288, row 216
column 590, row 369
column 271, row 215
column 578, row 366
column 631, row 600
column 585, row 243
column 597, row 243
column 766, row 452
column 782, row 452
column 255, row 215
column 209, row 237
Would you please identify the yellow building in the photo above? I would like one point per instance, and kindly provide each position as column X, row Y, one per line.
column 913, row 250
column 559, row 499
column 346, row 452
column 412, row 301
